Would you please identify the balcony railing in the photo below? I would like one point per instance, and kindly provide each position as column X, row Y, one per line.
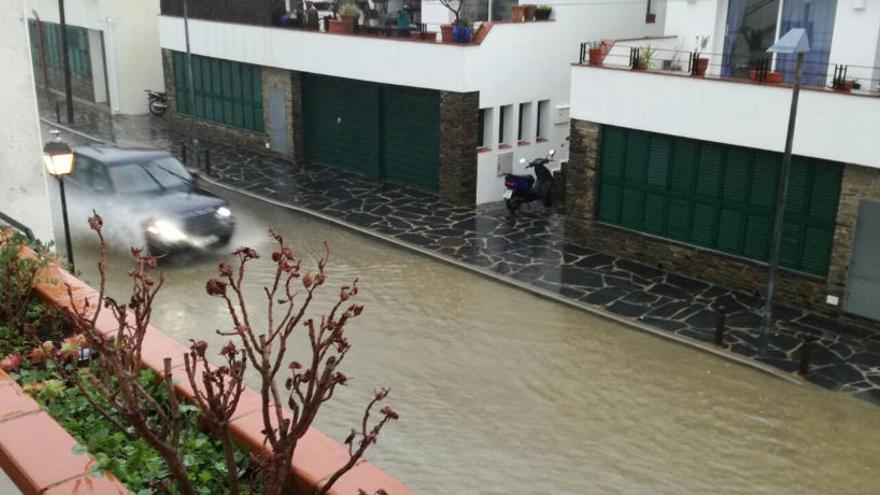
column 762, row 68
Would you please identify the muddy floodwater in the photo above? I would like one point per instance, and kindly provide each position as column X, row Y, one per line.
column 503, row 392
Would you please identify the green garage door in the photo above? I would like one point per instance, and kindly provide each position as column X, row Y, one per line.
column 411, row 136
column 718, row 196
column 341, row 123
column 382, row 131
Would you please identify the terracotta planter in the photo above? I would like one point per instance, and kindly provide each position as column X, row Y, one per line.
column 846, row 87
column 542, row 15
column 753, row 75
column 530, row 12
column 351, row 20
column 429, row 36
column 519, row 13
column 446, row 33
column 702, row 65
column 596, row 56
column 339, row 27
column 774, row 77
column 415, row 35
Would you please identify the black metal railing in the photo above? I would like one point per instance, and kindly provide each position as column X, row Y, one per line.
column 24, row 229
column 760, row 68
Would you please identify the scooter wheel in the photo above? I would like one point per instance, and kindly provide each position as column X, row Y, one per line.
column 513, row 204
column 158, row 108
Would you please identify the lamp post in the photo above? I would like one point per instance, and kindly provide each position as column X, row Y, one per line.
column 793, row 43
column 58, row 158
column 65, row 60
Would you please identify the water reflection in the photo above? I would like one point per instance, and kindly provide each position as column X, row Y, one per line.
column 503, row 392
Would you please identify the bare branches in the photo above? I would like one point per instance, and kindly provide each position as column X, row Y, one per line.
column 309, row 385
column 117, row 376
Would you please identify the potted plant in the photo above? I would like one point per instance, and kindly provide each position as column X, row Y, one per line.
column 645, row 60
column 447, row 30
column 701, row 66
column 542, row 13
column 350, row 14
column 597, row 49
column 519, row 13
column 530, row 10
column 773, row 78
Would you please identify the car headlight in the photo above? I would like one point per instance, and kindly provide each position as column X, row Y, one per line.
column 166, row 230
column 224, row 212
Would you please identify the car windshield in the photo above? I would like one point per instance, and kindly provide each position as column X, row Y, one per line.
column 150, row 176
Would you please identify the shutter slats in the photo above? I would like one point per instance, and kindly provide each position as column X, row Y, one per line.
column 718, row 196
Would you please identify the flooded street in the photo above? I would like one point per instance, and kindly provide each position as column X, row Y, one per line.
column 503, row 392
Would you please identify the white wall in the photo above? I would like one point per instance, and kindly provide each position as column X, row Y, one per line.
column 131, row 41
column 830, row 125
column 23, row 192
column 855, row 40
column 516, row 63
column 530, row 62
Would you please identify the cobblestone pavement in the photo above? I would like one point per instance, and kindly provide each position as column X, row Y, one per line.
column 531, row 247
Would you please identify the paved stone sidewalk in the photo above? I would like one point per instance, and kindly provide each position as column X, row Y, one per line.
column 531, row 247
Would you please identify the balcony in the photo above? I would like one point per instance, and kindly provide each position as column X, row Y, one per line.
column 664, row 96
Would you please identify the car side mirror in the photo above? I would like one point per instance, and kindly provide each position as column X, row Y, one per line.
column 551, row 153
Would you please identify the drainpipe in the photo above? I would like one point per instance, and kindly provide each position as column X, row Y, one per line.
column 65, row 58
column 110, row 62
column 42, row 49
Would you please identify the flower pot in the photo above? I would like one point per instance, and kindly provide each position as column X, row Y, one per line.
column 461, row 33
column 846, row 87
column 596, row 56
column 542, row 14
column 753, row 75
column 416, row 35
column 339, row 27
column 702, row 65
column 350, row 20
column 519, row 13
column 429, row 36
column 446, row 33
column 529, row 13
column 774, row 78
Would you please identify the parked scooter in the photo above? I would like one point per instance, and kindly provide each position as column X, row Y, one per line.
column 525, row 188
column 158, row 102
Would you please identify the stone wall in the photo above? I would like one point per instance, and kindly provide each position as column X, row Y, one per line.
column 729, row 271
column 459, row 123
column 858, row 183
column 207, row 130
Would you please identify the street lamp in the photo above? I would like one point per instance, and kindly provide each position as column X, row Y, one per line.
column 58, row 158
column 793, row 43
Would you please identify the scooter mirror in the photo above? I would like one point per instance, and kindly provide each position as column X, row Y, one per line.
column 522, row 160
column 552, row 152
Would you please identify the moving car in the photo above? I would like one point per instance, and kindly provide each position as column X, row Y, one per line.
column 148, row 199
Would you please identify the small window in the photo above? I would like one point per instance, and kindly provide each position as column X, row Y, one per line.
column 505, row 125
column 484, row 134
column 543, row 120
column 650, row 13
column 525, row 123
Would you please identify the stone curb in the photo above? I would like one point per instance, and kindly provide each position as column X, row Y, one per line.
column 745, row 361
column 317, row 456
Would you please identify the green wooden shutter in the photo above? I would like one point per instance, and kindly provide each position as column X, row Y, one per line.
column 718, row 196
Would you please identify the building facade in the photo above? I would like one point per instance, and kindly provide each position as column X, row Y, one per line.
column 444, row 117
column 681, row 171
column 113, row 48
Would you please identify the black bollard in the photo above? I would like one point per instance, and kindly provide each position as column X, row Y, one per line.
column 208, row 162
column 806, row 351
column 720, row 321
column 183, row 153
